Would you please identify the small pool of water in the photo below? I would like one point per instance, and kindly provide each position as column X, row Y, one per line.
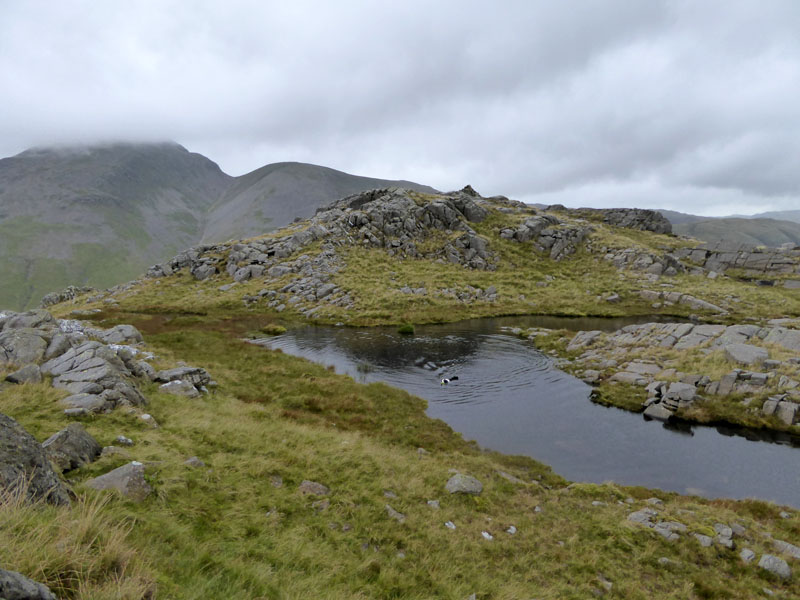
column 509, row 397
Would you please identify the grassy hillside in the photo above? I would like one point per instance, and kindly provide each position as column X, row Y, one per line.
column 239, row 528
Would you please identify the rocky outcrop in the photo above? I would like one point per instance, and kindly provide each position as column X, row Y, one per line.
column 23, row 463
column 670, row 298
column 15, row 586
column 642, row 260
column 549, row 234
column 70, row 293
column 621, row 357
column 630, row 218
column 754, row 260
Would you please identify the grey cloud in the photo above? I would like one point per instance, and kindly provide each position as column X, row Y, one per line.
column 616, row 101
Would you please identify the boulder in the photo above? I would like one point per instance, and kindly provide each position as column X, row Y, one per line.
column 775, row 565
column 23, row 458
column 463, row 484
column 746, row 354
column 91, row 403
column 658, row 411
column 71, row 447
column 22, row 346
column 128, row 479
column 787, row 412
column 313, row 488
column 15, row 586
column 27, row 374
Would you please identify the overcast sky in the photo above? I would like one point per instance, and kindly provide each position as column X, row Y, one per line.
column 690, row 105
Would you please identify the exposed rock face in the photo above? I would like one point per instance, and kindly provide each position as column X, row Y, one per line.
column 631, row 218
column 22, row 458
column 15, row 586
column 128, row 480
column 93, row 368
column 71, row 448
column 754, row 260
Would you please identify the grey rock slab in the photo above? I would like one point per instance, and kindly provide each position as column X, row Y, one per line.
column 787, row 548
column 746, row 354
column 747, row 555
column 121, row 334
column 71, row 447
column 658, row 411
column 788, row 412
column 463, row 484
column 23, row 458
column 180, row 388
column 15, row 586
column 313, row 488
column 88, row 402
column 27, row 374
column 775, row 565
column 128, row 479
column 194, row 462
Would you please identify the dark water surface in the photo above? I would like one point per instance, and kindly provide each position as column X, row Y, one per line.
column 509, row 397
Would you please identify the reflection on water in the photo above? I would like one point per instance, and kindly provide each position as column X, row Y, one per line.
column 510, row 398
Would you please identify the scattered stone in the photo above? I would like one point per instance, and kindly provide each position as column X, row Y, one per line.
column 114, row 451
column 397, row 516
column 15, row 586
column 487, row 536
column 128, row 479
column 434, row 504
column 194, row 462
column 511, row 530
column 644, row 516
column 180, row 388
column 389, row 494
column 655, row 502
column 121, row 439
column 785, row 515
column 704, row 540
column 450, row 525
column 658, row 411
column 775, row 565
column 313, row 488
column 747, row 555
column 149, row 420
column 276, row 481
column 71, row 447
column 598, row 503
column 463, row 484
column 787, row 548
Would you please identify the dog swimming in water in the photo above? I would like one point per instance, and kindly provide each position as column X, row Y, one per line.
column 445, row 381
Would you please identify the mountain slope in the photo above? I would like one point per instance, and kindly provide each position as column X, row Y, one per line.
column 97, row 215
column 100, row 215
column 757, row 232
column 272, row 196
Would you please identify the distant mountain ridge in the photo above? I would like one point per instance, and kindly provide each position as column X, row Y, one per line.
column 770, row 229
column 98, row 215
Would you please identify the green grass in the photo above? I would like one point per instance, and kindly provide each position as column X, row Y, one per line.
column 226, row 531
